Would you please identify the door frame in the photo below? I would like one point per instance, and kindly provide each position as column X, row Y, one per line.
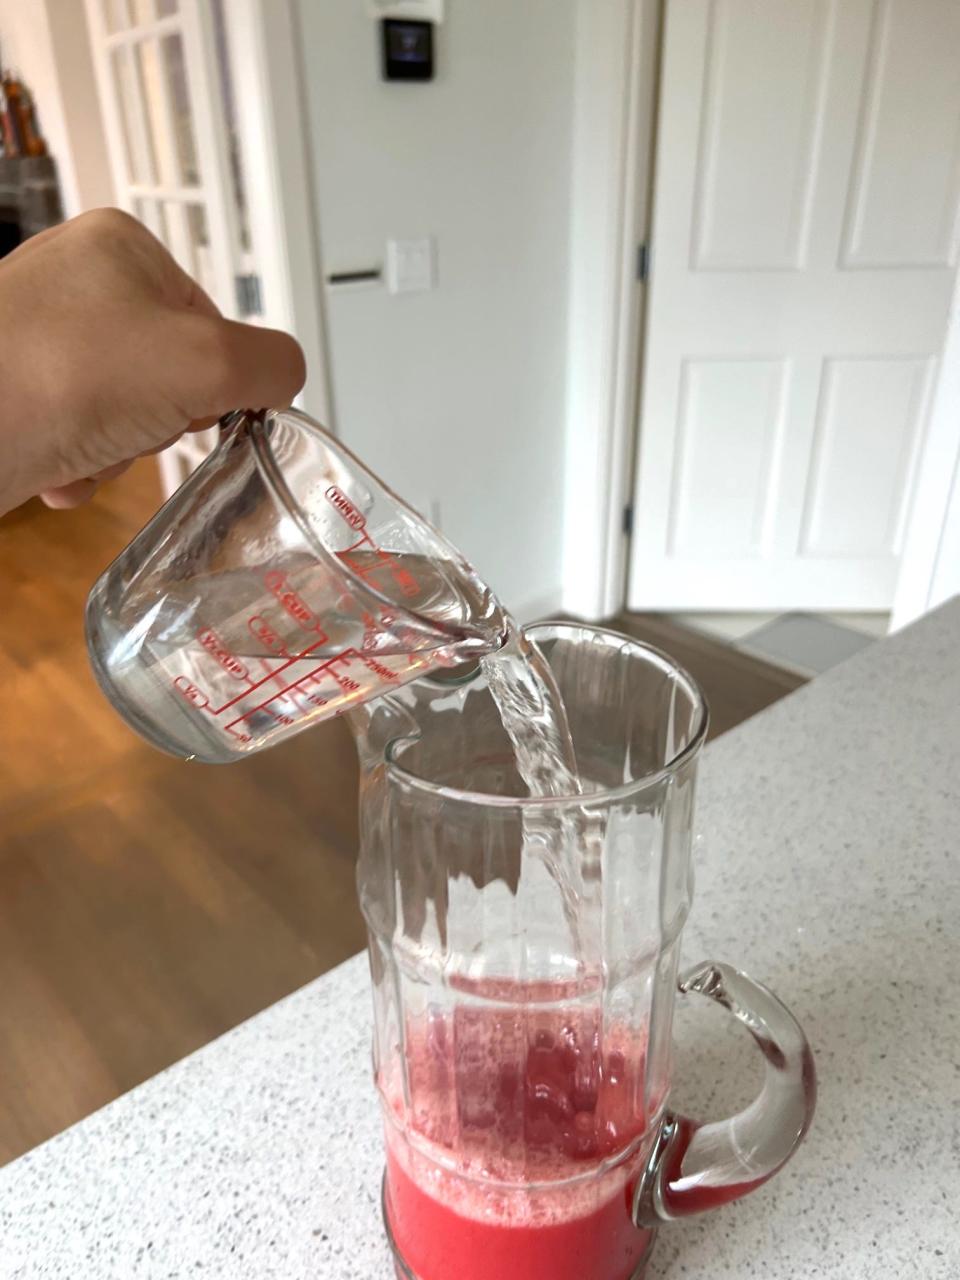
column 925, row 579
column 616, row 95
column 265, row 48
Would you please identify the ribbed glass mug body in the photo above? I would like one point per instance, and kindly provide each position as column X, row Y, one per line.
column 522, row 1049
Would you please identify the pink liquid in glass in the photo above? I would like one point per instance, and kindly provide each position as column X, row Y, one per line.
column 522, row 1148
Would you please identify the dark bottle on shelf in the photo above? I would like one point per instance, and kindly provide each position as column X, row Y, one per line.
column 21, row 113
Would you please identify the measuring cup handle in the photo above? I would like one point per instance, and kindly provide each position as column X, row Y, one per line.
column 696, row 1166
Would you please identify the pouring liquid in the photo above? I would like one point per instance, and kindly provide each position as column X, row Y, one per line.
column 271, row 646
column 518, row 677
column 531, row 709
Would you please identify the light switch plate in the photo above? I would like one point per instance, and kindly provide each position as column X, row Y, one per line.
column 411, row 265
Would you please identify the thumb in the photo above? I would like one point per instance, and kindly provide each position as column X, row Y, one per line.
column 230, row 365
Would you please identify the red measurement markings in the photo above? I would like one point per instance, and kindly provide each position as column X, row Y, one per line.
column 337, row 498
column 280, row 716
column 293, row 603
column 219, row 651
column 314, row 699
column 377, row 668
column 297, row 608
column 381, row 559
column 264, row 634
column 371, row 631
column 257, row 684
column 347, row 685
column 267, row 635
column 187, row 689
column 261, row 630
column 375, row 560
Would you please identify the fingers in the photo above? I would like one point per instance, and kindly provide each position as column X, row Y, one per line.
column 159, row 448
column 67, row 496
column 204, row 424
column 70, row 495
column 238, row 366
column 111, row 473
column 75, row 494
column 200, row 300
column 267, row 368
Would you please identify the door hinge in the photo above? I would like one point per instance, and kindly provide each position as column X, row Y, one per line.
column 249, row 298
column 628, row 520
column 643, row 261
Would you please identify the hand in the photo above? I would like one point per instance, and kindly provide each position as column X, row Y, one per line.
column 109, row 351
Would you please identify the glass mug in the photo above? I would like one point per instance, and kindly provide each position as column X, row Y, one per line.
column 524, row 1080
column 282, row 584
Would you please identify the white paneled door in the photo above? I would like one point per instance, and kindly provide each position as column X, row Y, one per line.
column 804, row 246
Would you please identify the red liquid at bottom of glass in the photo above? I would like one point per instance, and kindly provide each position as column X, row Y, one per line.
column 504, row 1159
column 438, row 1243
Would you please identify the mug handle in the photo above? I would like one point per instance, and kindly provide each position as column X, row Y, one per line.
column 695, row 1166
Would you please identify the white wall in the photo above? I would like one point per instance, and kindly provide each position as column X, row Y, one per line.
column 46, row 42
column 457, row 397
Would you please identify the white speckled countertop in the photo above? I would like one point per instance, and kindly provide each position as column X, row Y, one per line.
column 828, row 870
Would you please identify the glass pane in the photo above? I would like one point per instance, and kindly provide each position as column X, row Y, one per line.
column 180, row 109
column 158, row 122
column 148, row 160
column 165, row 8
column 233, row 132
column 153, row 216
column 180, row 243
column 202, row 256
column 119, row 66
column 130, row 103
column 142, row 11
column 116, row 14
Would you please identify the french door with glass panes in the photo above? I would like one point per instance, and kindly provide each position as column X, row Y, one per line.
column 167, row 93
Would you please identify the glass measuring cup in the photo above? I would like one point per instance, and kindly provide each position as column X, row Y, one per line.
column 281, row 585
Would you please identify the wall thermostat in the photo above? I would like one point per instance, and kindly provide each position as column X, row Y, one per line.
column 407, row 49
column 412, row 10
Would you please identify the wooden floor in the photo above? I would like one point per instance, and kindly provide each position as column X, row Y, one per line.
column 147, row 905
